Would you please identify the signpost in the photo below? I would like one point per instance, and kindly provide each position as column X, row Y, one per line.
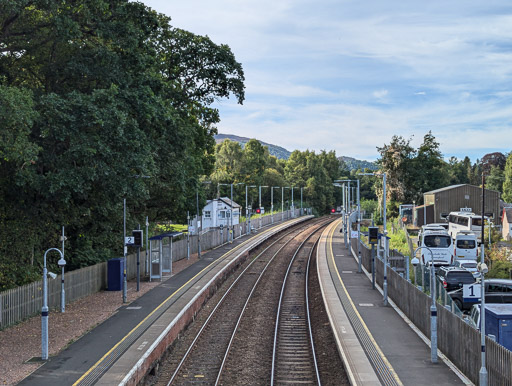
column 471, row 293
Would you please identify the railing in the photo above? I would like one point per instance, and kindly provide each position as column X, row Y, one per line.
column 23, row 302
column 455, row 338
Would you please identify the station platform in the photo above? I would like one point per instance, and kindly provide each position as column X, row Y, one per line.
column 121, row 350
column 378, row 345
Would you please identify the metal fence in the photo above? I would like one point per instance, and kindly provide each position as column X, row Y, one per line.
column 23, row 302
column 455, row 338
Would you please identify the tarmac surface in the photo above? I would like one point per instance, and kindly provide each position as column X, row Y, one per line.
column 396, row 352
column 71, row 364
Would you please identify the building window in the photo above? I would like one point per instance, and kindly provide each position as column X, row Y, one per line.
column 222, row 214
column 207, row 214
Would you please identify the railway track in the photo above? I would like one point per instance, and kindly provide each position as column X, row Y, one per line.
column 223, row 350
column 293, row 358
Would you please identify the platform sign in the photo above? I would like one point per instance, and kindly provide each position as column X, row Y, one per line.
column 129, row 240
column 191, row 229
column 471, row 293
column 353, row 234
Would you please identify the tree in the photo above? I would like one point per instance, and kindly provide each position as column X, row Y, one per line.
column 507, row 184
column 228, row 159
column 100, row 95
column 490, row 160
column 254, row 161
column 396, row 160
column 429, row 171
column 495, row 179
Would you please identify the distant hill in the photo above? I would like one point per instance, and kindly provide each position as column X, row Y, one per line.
column 282, row 153
column 276, row 151
column 354, row 164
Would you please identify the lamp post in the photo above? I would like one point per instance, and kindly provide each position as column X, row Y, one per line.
column 188, row 235
column 247, row 212
column 62, row 264
column 230, row 221
column 239, row 211
column 146, row 268
column 301, row 213
column 359, row 268
column 483, row 370
column 44, row 311
column 125, row 251
column 199, row 222
column 231, row 234
column 259, row 191
column 282, row 201
column 272, row 200
column 292, row 207
column 386, row 242
column 433, row 308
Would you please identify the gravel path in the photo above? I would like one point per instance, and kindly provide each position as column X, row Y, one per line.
column 22, row 342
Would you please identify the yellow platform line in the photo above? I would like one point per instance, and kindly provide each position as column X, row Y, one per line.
column 372, row 339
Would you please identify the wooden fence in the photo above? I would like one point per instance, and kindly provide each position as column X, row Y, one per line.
column 23, row 302
column 455, row 338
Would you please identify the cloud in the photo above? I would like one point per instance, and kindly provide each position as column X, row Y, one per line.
column 381, row 94
column 341, row 74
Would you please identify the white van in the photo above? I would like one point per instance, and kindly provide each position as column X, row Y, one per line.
column 440, row 243
column 465, row 246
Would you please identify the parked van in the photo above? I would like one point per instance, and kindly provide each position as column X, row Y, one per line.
column 465, row 246
column 440, row 243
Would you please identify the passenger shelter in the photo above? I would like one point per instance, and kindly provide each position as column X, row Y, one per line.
column 160, row 254
column 456, row 198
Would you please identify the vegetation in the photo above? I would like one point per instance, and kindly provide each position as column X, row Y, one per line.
column 96, row 96
column 104, row 100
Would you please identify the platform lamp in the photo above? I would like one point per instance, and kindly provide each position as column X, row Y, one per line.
column 433, row 309
column 386, row 242
column 44, row 310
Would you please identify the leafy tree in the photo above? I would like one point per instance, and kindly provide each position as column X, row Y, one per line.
column 495, row 179
column 228, row 159
column 99, row 95
column 496, row 160
column 396, row 160
column 457, row 171
column 507, row 184
column 429, row 171
column 254, row 161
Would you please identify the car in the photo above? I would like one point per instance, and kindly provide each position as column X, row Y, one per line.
column 496, row 291
column 468, row 264
column 454, row 278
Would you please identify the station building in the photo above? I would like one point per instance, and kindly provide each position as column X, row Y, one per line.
column 217, row 212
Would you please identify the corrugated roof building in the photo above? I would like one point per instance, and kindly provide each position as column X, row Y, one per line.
column 455, row 197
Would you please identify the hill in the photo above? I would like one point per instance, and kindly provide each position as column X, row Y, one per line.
column 282, row 153
column 353, row 163
column 276, row 151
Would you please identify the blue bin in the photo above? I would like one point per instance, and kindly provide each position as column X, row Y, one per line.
column 115, row 268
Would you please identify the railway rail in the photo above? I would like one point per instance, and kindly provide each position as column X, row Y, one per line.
column 234, row 344
column 293, row 357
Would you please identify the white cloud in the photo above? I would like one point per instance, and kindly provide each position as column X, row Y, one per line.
column 342, row 74
column 381, row 94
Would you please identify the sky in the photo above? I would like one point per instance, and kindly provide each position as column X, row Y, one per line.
column 347, row 75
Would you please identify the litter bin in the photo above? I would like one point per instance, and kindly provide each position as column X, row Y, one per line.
column 115, row 268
